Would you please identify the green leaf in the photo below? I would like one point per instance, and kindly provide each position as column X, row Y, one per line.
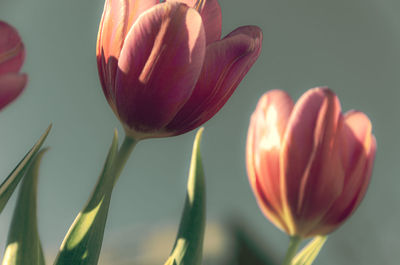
column 188, row 246
column 82, row 244
column 10, row 183
column 310, row 252
column 23, row 244
column 170, row 261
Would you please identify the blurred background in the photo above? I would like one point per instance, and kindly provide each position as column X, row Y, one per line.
column 350, row 46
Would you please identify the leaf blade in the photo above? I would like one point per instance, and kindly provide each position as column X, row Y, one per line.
column 10, row 183
column 82, row 244
column 188, row 245
column 310, row 252
column 23, row 243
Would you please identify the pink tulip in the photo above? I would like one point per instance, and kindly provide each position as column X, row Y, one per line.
column 308, row 164
column 163, row 67
column 12, row 54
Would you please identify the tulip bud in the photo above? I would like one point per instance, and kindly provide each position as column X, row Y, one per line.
column 308, row 164
column 12, row 54
column 163, row 67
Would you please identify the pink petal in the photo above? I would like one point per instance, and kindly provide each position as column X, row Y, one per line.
column 226, row 63
column 359, row 151
column 340, row 214
column 267, row 126
column 12, row 52
column 117, row 19
column 210, row 12
column 269, row 211
column 269, row 121
column 313, row 177
column 367, row 174
column 159, row 65
column 11, row 85
column 355, row 134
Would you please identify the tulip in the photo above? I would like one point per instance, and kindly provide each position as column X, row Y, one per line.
column 308, row 164
column 12, row 54
column 164, row 69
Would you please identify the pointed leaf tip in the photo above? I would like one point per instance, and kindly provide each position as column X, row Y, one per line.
column 196, row 174
column 10, row 183
column 188, row 245
column 82, row 244
column 199, row 135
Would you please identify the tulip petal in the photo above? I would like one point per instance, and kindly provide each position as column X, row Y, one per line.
column 267, row 208
column 117, row 19
column 226, row 63
column 356, row 135
column 367, row 173
column 11, row 85
column 159, row 65
column 210, row 12
column 312, row 173
column 269, row 121
column 267, row 126
column 359, row 151
column 12, row 53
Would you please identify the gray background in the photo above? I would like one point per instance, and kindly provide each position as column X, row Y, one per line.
column 350, row 46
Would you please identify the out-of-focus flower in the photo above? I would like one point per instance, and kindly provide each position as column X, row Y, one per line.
column 12, row 54
column 308, row 164
column 163, row 67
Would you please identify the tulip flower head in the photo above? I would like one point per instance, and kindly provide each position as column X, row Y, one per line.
column 163, row 67
column 308, row 164
column 12, row 54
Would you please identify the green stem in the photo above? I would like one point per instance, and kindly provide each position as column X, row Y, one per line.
column 292, row 249
column 122, row 156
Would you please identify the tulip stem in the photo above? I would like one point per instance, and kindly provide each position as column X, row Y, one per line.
column 292, row 249
column 122, row 156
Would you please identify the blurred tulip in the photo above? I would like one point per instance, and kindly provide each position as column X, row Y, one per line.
column 12, row 54
column 308, row 164
column 163, row 67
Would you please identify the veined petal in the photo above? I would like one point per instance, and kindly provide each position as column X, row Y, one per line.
column 367, row 174
column 12, row 52
column 358, row 146
column 335, row 219
column 270, row 120
column 262, row 202
column 117, row 19
column 266, row 130
column 210, row 12
column 226, row 63
column 313, row 176
column 159, row 65
column 11, row 85
column 267, row 209
column 355, row 136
